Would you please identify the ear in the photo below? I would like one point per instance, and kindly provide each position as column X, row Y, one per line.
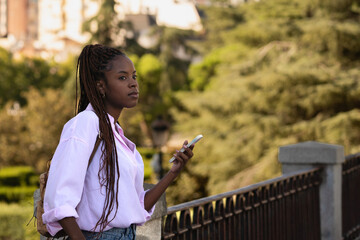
column 100, row 85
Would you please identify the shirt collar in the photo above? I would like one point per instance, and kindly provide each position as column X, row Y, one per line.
column 116, row 128
column 111, row 118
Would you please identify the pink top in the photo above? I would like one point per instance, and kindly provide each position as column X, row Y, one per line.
column 73, row 189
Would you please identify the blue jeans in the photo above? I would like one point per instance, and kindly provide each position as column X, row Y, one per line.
column 113, row 234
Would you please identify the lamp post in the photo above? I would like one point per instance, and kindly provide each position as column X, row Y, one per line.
column 160, row 133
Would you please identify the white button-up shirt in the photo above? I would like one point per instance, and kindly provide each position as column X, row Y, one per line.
column 73, row 189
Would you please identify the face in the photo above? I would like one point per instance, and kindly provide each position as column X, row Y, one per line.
column 120, row 86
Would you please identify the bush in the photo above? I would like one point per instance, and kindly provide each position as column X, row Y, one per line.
column 17, row 183
column 147, row 154
column 16, row 194
column 18, row 176
column 13, row 222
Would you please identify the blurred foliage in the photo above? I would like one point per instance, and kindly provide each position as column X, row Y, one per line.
column 147, row 154
column 18, row 75
column 29, row 134
column 218, row 21
column 292, row 76
column 200, row 74
column 17, row 183
column 175, row 50
column 106, row 28
column 14, row 219
column 103, row 26
column 18, row 176
column 272, row 73
column 16, row 194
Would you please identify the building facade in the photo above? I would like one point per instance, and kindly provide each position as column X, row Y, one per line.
column 49, row 28
column 44, row 27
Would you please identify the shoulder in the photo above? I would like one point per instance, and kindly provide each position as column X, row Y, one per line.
column 84, row 119
column 83, row 126
column 87, row 116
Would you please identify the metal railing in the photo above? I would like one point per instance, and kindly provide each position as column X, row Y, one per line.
column 283, row 208
column 351, row 197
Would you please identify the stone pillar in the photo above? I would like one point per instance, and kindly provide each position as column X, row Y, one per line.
column 151, row 230
column 307, row 155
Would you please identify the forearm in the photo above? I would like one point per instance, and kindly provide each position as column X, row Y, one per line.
column 181, row 158
column 71, row 227
column 153, row 195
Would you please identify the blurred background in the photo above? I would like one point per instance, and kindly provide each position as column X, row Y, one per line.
column 250, row 76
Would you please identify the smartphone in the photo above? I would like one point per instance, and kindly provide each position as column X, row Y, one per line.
column 195, row 140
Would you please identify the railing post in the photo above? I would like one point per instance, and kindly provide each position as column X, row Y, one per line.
column 151, row 230
column 307, row 155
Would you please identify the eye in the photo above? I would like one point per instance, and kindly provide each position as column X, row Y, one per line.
column 134, row 77
column 122, row 78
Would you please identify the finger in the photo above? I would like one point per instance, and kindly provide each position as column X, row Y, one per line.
column 188, row 151
column 186, row 143
column 182, row 155
column 178, row 159
column 192, row 146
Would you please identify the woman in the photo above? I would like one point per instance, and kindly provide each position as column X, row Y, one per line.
column 106, row 199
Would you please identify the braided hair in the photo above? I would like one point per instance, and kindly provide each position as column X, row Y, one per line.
column 92, row 63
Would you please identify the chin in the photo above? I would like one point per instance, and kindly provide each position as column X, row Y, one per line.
column 131, row 105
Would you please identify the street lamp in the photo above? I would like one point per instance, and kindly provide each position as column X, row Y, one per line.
column 160, row 133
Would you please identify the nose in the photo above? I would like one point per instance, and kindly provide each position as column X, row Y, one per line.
column 133, row 83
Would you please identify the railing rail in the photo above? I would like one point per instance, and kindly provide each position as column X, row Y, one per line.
column 286, row 207
column 351, row 197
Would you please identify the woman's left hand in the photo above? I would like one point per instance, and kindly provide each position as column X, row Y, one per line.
column 181, row 158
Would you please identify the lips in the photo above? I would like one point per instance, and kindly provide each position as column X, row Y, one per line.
column 134, row 94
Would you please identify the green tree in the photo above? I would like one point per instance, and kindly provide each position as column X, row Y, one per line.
column 175, row 49
column 29, row 134
column 106, row 28
column 17, row 76
column 103, row 26
column 290, row 77
column 218, row 21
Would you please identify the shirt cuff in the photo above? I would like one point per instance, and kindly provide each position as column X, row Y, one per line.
column 147, row 214
column 51, row 217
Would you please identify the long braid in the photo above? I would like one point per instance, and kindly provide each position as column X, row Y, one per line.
column 92, row 63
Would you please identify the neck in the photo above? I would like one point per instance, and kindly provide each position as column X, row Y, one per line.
column 114, row 113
